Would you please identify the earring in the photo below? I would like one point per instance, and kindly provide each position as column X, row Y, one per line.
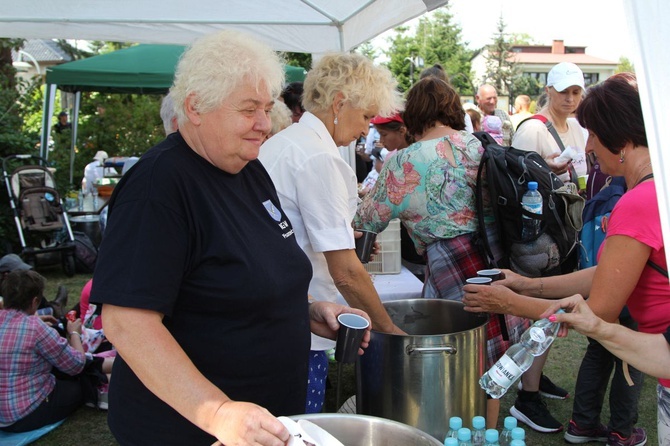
column 335, row 120
column 621, row 154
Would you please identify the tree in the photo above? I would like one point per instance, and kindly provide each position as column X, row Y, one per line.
column 526, row 85
column 625, row 66
column 366, row 49
column 437, row 40
column 303, row 60
column 501, row 68
column 16, row 98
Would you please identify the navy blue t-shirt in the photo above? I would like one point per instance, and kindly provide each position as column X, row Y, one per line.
column 215, row 254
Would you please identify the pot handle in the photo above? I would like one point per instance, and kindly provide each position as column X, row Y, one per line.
column 411, row 349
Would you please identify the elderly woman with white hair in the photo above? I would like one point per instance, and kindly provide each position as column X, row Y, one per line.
column 203, row 284
column 318, row 189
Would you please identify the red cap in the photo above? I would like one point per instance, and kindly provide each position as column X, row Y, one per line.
column 386, row 119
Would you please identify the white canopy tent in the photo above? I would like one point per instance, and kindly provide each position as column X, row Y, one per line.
column 319, row 26
column 305, row 26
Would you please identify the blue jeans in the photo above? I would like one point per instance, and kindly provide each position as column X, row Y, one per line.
column 594, row 375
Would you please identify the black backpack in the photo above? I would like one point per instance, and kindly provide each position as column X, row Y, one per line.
column 505, row 172
column 85, row 253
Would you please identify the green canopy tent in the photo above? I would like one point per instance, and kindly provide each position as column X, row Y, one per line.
column 140, row 69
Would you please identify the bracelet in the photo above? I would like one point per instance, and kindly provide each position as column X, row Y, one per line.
column 541, row 287
column 75, row 333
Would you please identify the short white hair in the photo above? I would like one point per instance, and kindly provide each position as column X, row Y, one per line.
column 363, row 84
column 216, row 64
column 281, row 117
column 168, row 114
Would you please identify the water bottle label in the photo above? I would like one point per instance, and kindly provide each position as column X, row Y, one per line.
column 537, row 335
column 535, row 208
column 505, row 372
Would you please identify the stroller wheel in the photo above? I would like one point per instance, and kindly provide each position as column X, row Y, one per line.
column 68, row 264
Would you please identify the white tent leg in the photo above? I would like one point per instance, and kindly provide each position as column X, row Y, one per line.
column 49, row 98
column 75, row 124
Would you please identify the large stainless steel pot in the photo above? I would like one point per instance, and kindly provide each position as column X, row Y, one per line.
column 89, row 225
column 363, row 430
column 431, row 374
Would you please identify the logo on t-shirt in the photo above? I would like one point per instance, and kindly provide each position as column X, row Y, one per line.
column 272, row 210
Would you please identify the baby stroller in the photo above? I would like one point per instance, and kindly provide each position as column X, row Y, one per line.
column 39, row 214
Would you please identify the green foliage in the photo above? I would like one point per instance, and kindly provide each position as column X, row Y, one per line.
column 303, row 60
column 437, row 40
column 501, row 69
column 367, row 49
column 525, row 85
column 129, row 125
column 625, row 66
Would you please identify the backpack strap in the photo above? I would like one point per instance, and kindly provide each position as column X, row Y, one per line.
column 479, row 202
column 552, row 130
column 657, row 268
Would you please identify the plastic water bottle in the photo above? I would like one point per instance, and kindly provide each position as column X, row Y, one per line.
column 491, row 437
column 506, row 435
column 517, row 443
column 95, row 197
column 518, row 434
column 451, row 441
column 464, row 437
column 478, row 431
column 80, row 200
column 500, row 377
column 519, row 357
column 531, row 202
column 455, row 423
column 541, row 334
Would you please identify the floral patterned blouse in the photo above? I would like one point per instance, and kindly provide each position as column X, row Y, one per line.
column 434, row 199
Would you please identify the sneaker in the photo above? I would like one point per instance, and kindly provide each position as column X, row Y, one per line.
column 530, row 409
column 103, row 397
column 577, row 435
column 549, row 390
column 637, row 438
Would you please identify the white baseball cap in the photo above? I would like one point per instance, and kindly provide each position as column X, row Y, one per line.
column 100, row 155
column 564, row 75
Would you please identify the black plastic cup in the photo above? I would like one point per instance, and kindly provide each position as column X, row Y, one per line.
column 364, row 245
column 493, row 273
column 479, row 280
column 349, row 337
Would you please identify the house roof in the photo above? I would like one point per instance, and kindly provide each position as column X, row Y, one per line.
column 43, row 51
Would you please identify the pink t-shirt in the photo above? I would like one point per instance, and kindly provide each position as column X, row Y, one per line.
column 636, row 215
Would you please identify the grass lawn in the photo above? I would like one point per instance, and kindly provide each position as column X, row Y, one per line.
column 89, row 426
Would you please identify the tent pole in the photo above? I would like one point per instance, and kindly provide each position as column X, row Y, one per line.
column 49, row 97
column 75, row 124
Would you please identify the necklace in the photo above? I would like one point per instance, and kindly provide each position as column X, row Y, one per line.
column 641, row 178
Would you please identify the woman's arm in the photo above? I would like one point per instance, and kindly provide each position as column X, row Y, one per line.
column 499, row 299
column 555, row 287
column 353, row 282
column 619, row 268
column 524, row 296
column 163, row 367
column 649, row 353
